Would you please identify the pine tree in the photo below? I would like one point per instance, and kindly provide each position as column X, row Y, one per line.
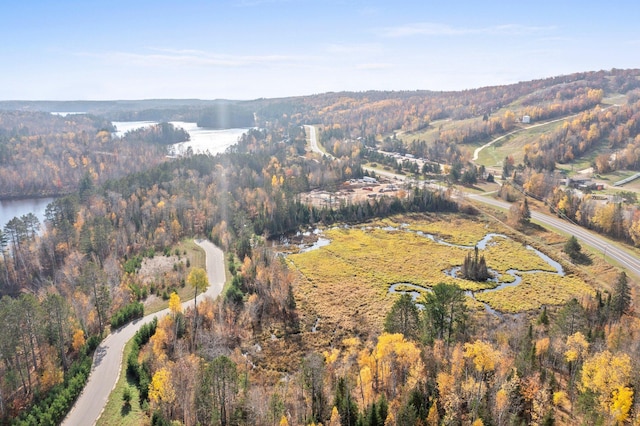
column 403, row 318
column 343, row 401
column 621, row 299
column 526, row 213
column 475, row 268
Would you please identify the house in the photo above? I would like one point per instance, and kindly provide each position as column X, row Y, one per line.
column 526, row 119
column 579, row 182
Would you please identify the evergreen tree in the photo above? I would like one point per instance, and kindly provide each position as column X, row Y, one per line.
column 525, row 213
column 445, row 312
column 621, row 299
column 475, row 268
column 572, row 247
column 347, row 407
column 403, row 318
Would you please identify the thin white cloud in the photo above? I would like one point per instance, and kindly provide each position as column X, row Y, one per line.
column 438, row 29
column 345, row 48
column 251, row 3
column 374, row 66
column 186, row 57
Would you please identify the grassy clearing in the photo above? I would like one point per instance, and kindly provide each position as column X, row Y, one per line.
column 535, row 291
column 116, row 413
column 348, row 280
column 195, row 253
column 513, row 145
column 197, row 259
column 455, row 230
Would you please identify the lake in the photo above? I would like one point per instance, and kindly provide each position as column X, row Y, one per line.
column 203, row 140
column 12, row 208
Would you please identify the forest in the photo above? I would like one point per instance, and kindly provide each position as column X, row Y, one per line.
column 43, row 154
column 67, row 281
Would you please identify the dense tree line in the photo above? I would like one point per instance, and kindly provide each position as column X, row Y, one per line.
column 65, row 285
column 162, row 134
column 45, row 154
column 377, row 113
column 447, row 368
column 74, row 269
column 615, row 128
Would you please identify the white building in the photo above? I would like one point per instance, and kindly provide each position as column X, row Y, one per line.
column 526, row 119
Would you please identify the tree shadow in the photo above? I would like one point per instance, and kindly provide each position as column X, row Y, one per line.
column 581, row 259
column 100, row 353
column 125, row 409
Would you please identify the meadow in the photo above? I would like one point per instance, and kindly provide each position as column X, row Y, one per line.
column 346, row 283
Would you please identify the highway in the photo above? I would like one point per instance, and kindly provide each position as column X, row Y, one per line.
column 609, row 249
column 627, row 261
column 313, row 141
column 602, row 244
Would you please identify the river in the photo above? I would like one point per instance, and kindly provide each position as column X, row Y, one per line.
column 203, row 140
column 12, row 208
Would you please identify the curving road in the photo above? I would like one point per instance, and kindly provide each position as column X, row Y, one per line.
column 533, row 126
column 108, row 357
column 628, row 261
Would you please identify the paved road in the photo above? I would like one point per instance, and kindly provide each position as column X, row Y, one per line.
column 313, row 141
column 605, row 246
column 108, row 357
column 628, row 261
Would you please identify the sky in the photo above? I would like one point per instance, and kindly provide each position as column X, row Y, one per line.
column 248, row 49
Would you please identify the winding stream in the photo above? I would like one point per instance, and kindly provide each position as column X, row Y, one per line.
column 514, row 275
column 497, row 278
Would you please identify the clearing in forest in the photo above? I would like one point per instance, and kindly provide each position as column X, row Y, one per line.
column 346, row 282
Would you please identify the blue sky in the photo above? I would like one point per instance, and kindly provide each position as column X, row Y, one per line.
column 246, row 49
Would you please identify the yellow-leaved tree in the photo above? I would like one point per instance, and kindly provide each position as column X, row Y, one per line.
column 394, row 362
column 608, row 376
column 174, row 304
column 161, row 391
column 577, row 349
column 78, row 339
column 484, row 358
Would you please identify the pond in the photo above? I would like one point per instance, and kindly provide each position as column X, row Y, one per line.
column 16, row 208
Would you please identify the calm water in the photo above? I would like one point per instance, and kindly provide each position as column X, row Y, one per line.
column 123, row 127
column 12, row 208
column 203, row 140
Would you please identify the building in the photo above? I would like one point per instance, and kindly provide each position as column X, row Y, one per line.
column 526, row 119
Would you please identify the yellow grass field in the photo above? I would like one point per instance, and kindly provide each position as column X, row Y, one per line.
column 346, row 283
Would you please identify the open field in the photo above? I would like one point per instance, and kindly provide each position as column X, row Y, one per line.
column 161, row 266
column 513, row 145
column 347, row 281
column 535, row 291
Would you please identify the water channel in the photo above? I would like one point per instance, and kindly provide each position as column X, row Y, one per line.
column 514, row 276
